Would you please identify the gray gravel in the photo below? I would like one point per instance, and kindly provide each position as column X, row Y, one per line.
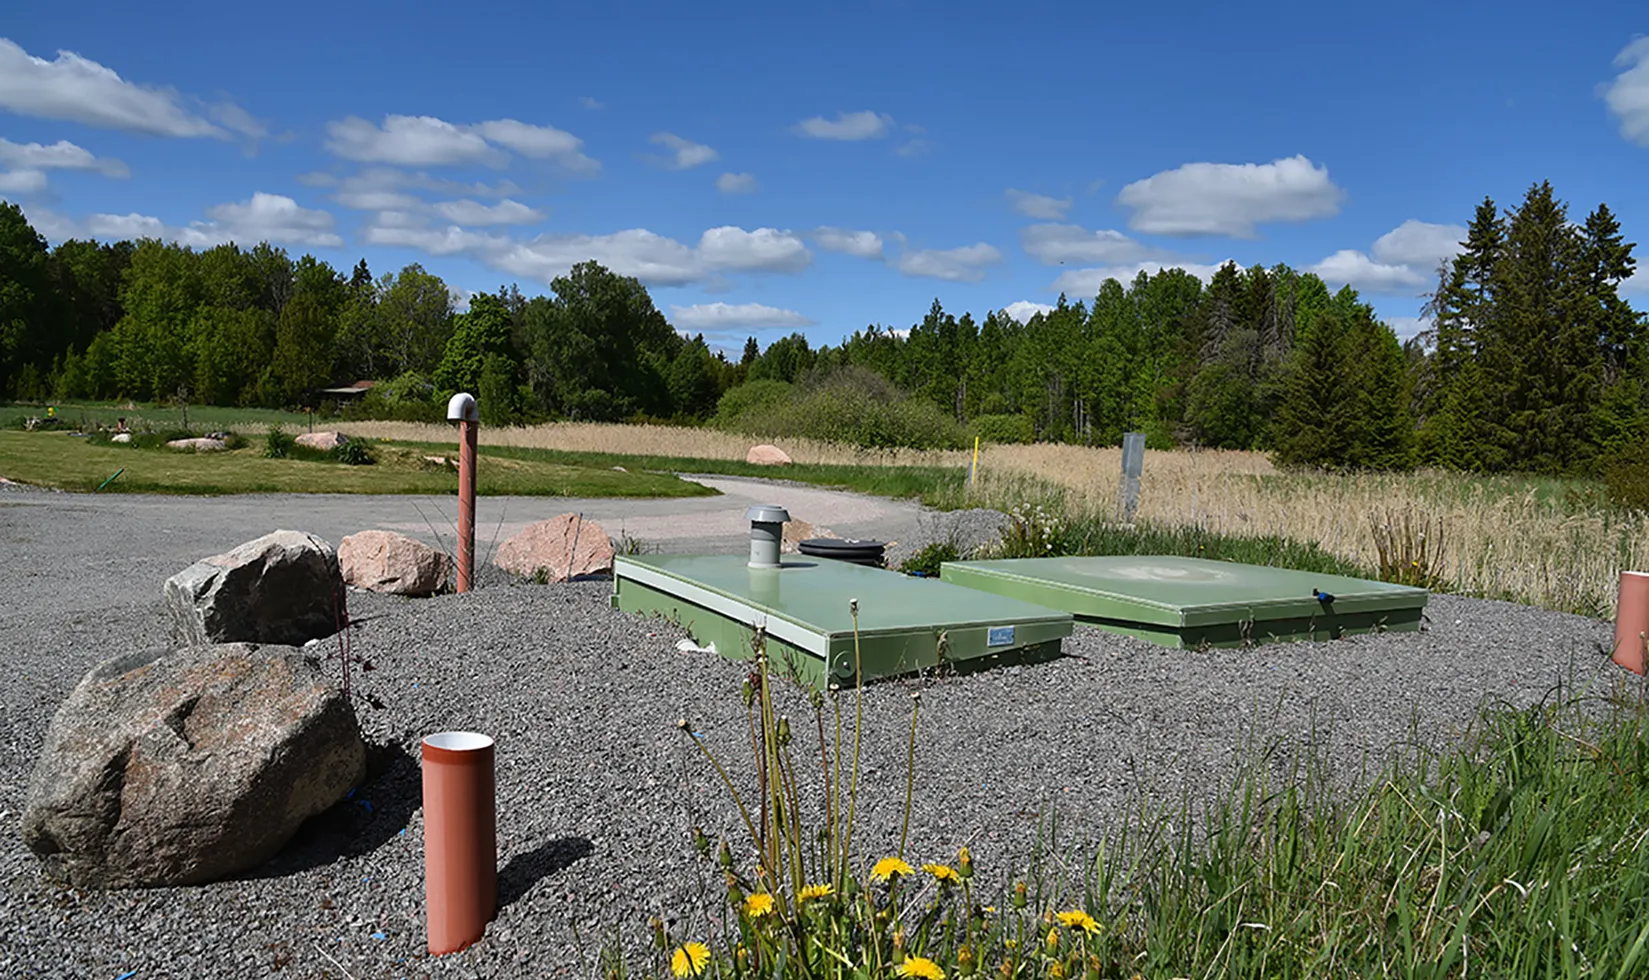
column 597, row 789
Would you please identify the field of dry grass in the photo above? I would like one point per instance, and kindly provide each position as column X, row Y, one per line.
column 1541, row 541
column 1531, row 539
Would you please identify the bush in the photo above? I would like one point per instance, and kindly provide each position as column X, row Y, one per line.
column 277, row 443
column 855, row 406
column 1626, row 478
column 407, row 398
column 929, row 557
column 752, row 396
column 1004, row 428
column 354, row 453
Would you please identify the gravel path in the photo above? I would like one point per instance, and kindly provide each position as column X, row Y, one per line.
column 597, row 789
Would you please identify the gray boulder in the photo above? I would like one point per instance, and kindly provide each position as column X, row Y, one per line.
column 177, row 768
column 281, row 588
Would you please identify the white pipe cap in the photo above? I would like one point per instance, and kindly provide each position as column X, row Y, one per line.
column 461, row 408
column 767, row 514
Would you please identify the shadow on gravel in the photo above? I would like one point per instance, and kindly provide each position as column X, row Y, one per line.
column 370, row 815
column 528, row 869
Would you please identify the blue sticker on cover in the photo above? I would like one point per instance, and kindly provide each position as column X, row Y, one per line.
column 1000, row 636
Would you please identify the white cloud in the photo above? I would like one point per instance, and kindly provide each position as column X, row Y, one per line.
column 81, row 90
column 1403, row 259
column 1085, row 283
column 731, row 183
column 405, row 231
column 965, row 264
column 1057, row 244
column 864, row 125
column 61, row 155
column 864, row 244
column 729, row 316
column 915, row 148
column 1230, row 199
column 591, row 103
column 650, row 257
column 262, row 217
column 384, row 188
column 1639, row 281
column 1628, row 95
column 1024, row 309
column 22, row 182
column 52, row 226
column 1406, row 327
column 274, row 218
column 765, row 249
column 425, row 141
column 1039, row 205
column 1419, row 244
column 505, row 212
column 1353, row 268
column 686, row 152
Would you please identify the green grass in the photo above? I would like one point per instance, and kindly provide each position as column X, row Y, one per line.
column 56, row 459
column 154, row 417
column 933, row 485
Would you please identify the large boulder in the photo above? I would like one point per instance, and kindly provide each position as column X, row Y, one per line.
column 560, row 548
column 766, row 455
column 281, row 588
column 176, row 768
column 384, row 561
column 324, row 441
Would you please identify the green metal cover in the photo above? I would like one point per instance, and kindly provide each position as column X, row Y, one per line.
column 803, row 608
column 1193, row 601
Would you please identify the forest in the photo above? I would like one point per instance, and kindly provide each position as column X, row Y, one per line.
column 1533, row 361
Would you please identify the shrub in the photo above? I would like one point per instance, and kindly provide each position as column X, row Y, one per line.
column 354, row 453
column 1004, row 428
column 277, row 443
column 752, row 396
column 855, row 406
column 929, row 557
column 1626, row 478
column 406, row 398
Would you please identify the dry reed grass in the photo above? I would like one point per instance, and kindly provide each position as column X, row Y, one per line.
column 651, row 440
column 1500, row 537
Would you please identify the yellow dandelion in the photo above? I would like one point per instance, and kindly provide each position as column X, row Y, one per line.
column 1053, row 940
column 811, row 892
column 1079, row 920
column 689, row 960
column 888, row 867
column 943, row 872
column 920, row 967
column 758, row 904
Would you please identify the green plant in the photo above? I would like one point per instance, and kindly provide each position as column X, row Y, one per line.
column 1626, row 478
column 929, row 557
column 1004, row 428
column 277, row 442
column 1033, row 531
column 1410, row 549
column 355, row 452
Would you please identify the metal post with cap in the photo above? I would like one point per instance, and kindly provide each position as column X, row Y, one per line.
column 463, row 410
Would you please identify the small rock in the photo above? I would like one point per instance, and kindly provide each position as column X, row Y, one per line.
column 766, row 455
column 324, row 441
column 122, row 437
column 384, row 561
column 281, row 588
column 562, row 548
column 177, row 768
column 200, row 445
column 621, row 469
column 438, row 460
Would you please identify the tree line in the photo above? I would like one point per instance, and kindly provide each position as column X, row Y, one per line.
column 1533, row 360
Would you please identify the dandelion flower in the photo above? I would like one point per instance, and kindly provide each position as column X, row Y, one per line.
column 758, row 904
column 919, row 967
column 888, row 867
column 811, row 892
column 943, row 872
column 1079, row 920
column 689, row 960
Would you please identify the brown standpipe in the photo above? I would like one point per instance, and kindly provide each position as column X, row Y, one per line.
column 466, row 505
column 460, row 839
column 1632, row 621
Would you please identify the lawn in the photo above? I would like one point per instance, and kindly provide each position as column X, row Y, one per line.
column 57, row 459
column 140, row 416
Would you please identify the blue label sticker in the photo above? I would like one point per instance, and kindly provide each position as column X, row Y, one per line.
column 1000, row 636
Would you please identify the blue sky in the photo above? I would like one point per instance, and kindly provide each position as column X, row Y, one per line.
column 764, row 168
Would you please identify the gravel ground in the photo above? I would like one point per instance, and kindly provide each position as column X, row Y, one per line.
column 597, row 789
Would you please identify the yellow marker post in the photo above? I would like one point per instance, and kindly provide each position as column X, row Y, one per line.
column 973, row 471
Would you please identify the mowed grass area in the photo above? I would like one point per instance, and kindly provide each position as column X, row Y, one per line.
column 57, row 459
column 140, row 417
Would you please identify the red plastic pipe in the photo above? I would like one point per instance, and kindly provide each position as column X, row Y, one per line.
column 460, row 839
column 466, row 504
column 1632, row 621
